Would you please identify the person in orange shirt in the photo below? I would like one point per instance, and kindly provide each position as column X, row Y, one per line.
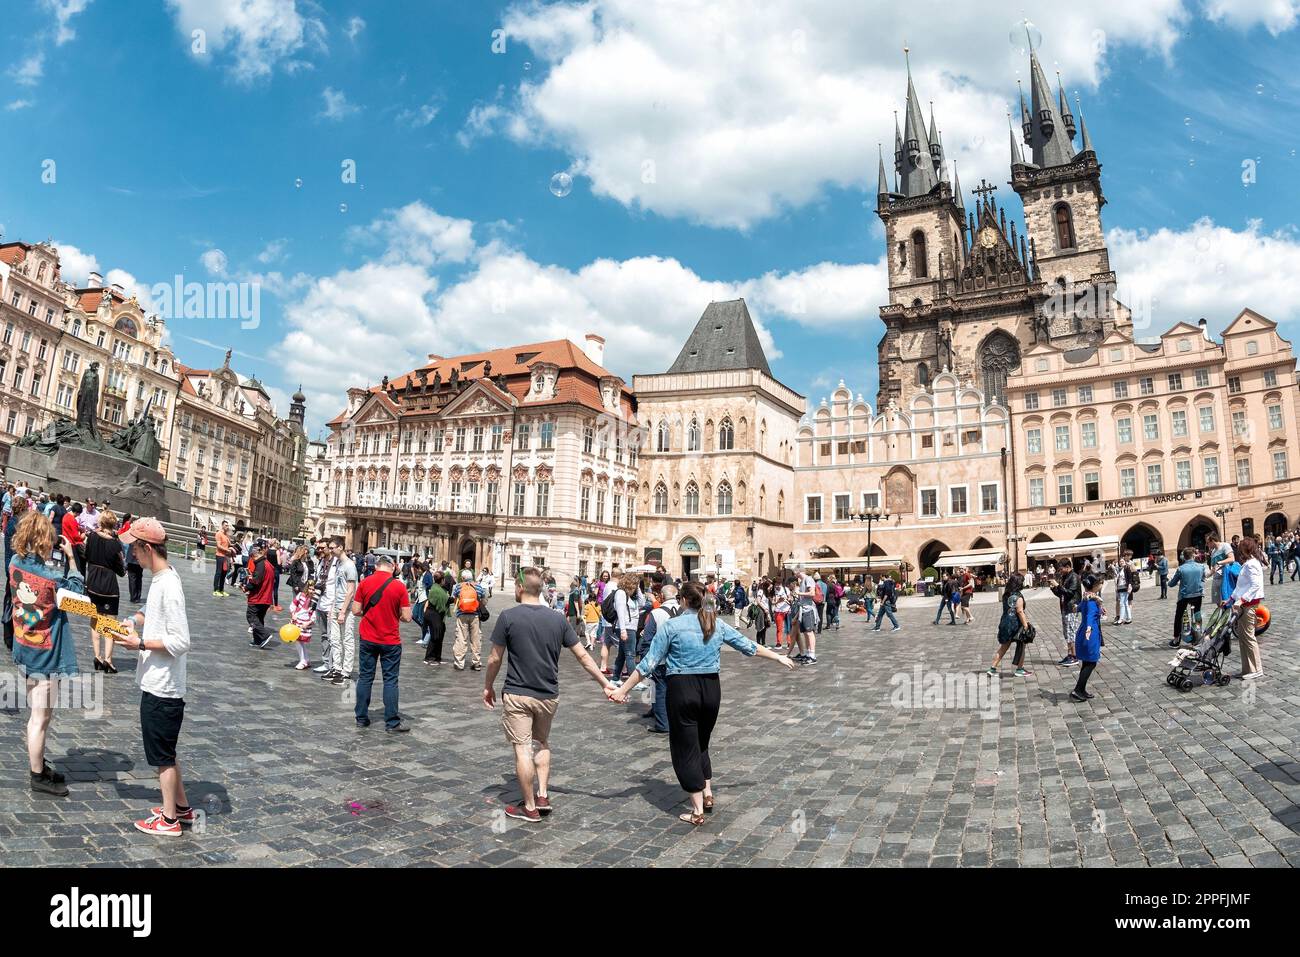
column 71, row 528
column 223, row 561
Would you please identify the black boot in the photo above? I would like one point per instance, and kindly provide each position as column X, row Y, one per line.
column 45, row 783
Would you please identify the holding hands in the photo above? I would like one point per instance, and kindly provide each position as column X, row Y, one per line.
column 616, row 694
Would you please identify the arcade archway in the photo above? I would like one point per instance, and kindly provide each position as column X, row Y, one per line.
column 1275, row 524
column 1142, row 540
column 929, row 554
column 1195, row 533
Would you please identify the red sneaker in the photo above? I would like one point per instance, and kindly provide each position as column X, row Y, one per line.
column 156, row 825
column 520, row 813
column 185, row 817
column 543, row 806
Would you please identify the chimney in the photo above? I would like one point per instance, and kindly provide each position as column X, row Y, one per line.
column 95, row 281
column 117, row 288
column 434, row 357
column 595, row 348
column 1205, row 329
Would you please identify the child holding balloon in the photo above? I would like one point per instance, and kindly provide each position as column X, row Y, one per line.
column 302, row 615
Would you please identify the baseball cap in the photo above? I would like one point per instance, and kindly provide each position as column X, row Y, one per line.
column 145, row 530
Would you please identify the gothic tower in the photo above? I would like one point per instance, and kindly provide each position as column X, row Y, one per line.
column 1060, row 188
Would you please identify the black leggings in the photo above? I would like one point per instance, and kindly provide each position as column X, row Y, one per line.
column 219, row 577
column 761, row 637
column 693, row 702
column 436, row 627
column 1085, row 672
column 1194, row 603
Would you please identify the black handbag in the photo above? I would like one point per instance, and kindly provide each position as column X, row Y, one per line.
column 483, row 613
column 1028, row 634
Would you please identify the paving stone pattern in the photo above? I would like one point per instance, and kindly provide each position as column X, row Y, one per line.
column 820, row 767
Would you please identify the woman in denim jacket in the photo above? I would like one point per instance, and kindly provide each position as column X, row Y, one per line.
column 691, row 647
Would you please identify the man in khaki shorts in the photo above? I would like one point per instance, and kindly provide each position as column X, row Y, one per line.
column 532, row 635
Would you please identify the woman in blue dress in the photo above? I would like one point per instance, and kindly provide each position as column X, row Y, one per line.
column 1088, row 640
column 1013, row 621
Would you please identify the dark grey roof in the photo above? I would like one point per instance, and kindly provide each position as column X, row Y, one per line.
column 724, row 338
column 1049, row 140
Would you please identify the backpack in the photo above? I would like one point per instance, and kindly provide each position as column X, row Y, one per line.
column 818, row 597
column 608, row 610
column 1135, row 581
column 467, row 602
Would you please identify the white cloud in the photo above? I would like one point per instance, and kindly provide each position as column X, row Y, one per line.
column 419, row 117
column 215, row 262
column 64, row 11
column 354, row 27
column 75, row 266
column 29, row 71
column 256, row 34
column 729, row 112
column 18, row 105
column 336, row 105
column 273, row 251
column 1276, row 16
column 415, row 233
column 823, row 294
column 132, row 287
column 1205, row 270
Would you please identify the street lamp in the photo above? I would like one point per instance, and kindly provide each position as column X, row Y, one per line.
column 1220, row 513
column 870, row 516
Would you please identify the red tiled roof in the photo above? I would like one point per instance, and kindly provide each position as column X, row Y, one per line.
column 88, row 299
column 13, row 253
column 579, row 380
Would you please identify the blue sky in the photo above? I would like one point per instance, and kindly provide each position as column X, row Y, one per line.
column 716, row 149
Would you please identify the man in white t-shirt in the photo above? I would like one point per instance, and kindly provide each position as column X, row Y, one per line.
column 340, row 586
column 806, row 610
column 160, row 631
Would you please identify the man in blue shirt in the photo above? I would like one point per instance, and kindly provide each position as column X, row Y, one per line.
column 887, row 592
column 1190, row 579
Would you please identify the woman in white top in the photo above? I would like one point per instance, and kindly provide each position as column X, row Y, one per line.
column 1246, row 598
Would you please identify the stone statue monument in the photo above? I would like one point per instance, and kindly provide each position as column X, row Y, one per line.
column 71, row 457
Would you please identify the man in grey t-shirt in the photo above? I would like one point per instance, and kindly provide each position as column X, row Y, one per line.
column 532, row 635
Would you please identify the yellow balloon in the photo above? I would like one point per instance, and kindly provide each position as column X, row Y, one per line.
column 290, row 632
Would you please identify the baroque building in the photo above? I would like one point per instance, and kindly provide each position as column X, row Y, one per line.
column 968, row 292
column 519, row 456
column 717, row 474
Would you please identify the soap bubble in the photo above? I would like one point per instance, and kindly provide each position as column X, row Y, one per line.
column 1024, row 35
column 343, row 207
column 297, row 183
column 561, row 184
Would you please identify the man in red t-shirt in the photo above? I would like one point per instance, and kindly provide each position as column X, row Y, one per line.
column 260, row 581
column 380, row 603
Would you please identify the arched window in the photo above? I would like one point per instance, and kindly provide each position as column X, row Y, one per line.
column 664, row 438
column 1064, row 227
column 661, row 499
column 762, row 436
column 918, row 255
column 923, row 375
column 692, row 499
column 693, row 436
column 40, row 273
column 998, row 356
column 780, row 506
column 726, row 436
column 724, row 498
column 76, row 328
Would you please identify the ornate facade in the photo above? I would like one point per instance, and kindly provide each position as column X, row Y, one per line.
column 937, row 471
column 717, row 475
column 517, row 456
column 968, row 292
column 52, row 331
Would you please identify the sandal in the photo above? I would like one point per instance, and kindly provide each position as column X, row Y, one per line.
column 708, row 804
column 695, row 820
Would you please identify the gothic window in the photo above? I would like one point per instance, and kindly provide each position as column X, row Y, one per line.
column 726, row 437
column 692, row 499
column 923, row 375
column 724, row 498
column 902, row 255
column 661, row 499
column 664, row 439
column 1064, row 227
column 918, row 255
column 693, row 436
column 998, row 356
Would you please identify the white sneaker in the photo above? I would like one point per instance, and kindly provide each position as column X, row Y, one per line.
column 322, row 669
column 642, row 687
column 1252, row 676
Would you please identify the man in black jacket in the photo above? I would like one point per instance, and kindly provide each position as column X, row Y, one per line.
column 1067, row 587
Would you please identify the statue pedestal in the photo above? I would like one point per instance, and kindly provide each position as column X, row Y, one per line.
column 84, row 474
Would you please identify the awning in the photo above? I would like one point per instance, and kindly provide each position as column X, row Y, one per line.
column 1075, row 546
column 876, row 561
column 972, row 559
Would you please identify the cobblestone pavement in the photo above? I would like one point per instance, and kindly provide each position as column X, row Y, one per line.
column 830, row 765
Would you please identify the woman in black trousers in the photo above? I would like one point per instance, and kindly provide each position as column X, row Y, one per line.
column 687, row 645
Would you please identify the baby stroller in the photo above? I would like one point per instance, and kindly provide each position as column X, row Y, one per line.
column 1202, row 663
